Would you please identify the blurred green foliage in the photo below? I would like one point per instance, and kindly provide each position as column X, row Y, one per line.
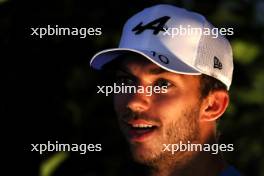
column 50, row 165
column 245, row 52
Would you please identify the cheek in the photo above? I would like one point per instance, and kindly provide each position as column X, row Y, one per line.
column 176, row 100
column 119, row 102
column 170, row 108
column 166, row 109
column 166, row 104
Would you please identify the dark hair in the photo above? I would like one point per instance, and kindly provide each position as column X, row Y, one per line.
column 210, row 84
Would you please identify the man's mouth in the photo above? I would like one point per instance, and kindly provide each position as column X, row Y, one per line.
column 140, row 130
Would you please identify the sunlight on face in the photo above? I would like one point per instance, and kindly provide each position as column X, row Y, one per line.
column 148, row 122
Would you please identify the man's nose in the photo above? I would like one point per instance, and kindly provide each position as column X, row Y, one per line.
column 139, row 102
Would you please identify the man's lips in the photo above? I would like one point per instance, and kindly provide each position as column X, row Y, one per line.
column 139, row 129
column 136, row 122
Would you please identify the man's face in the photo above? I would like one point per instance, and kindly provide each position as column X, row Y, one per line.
column 148, row 122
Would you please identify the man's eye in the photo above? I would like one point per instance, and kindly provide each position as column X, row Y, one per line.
column 163, row 83
column 124, row 79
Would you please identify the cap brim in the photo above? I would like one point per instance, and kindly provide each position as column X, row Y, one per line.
column 175, row 64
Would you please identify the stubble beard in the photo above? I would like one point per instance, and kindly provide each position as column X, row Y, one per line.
column 185, row 129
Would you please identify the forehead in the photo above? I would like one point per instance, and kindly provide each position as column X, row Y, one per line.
column 132, row 61
column 136, row 63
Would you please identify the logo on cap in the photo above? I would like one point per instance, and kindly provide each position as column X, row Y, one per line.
column 156, row 25
column 162, row 58
column 217, row 63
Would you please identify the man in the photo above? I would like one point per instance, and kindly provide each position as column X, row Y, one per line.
column 194, row 70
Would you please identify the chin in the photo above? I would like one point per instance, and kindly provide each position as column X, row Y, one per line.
column 144, row 155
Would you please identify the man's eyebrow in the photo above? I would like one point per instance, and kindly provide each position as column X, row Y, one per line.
column 124, row 70
column 156, row 71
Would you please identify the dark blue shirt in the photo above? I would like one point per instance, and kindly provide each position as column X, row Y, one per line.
column 230, row 171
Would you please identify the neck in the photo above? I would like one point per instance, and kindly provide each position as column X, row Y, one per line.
column 201, row 163
column 191, row 162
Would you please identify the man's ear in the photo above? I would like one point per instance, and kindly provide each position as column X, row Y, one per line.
column 214, row 105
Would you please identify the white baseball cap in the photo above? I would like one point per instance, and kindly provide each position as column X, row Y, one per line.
column 151, row 33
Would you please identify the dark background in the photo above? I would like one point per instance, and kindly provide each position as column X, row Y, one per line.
column 49, row 91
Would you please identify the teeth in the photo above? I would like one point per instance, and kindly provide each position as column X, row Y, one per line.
column 141, row 126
